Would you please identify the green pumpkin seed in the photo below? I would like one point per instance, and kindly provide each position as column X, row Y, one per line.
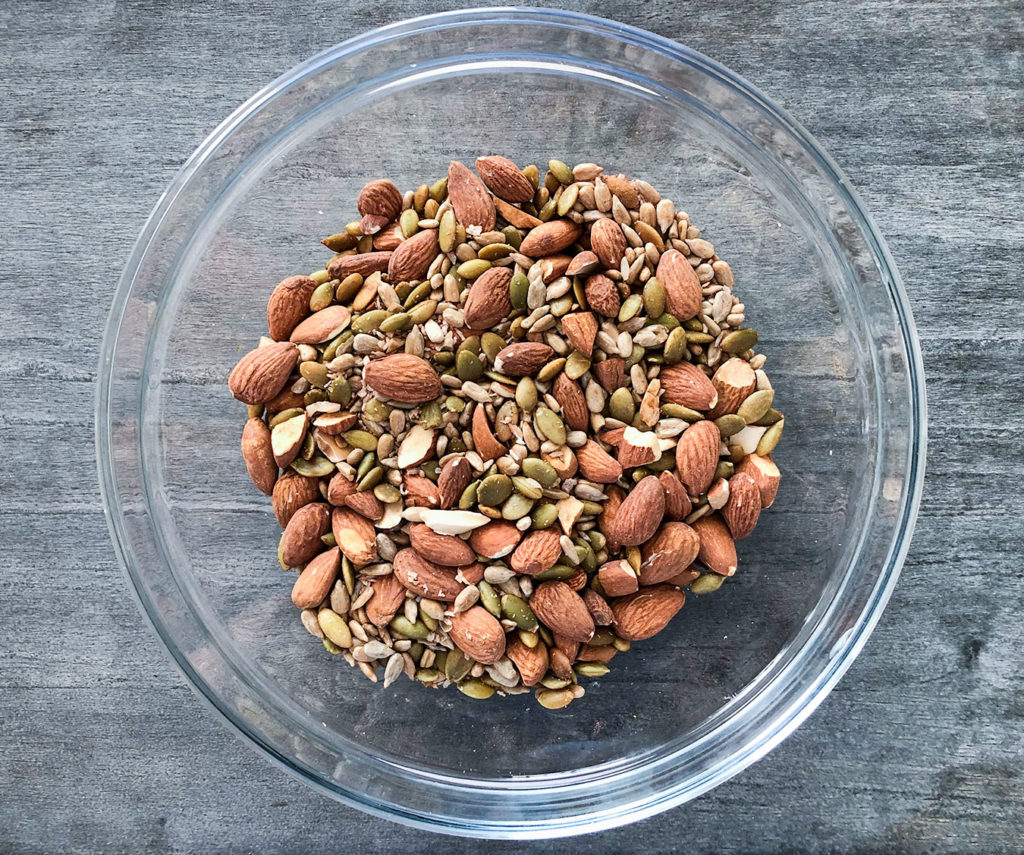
column 360, row 439
column 541, row 472
column 517, row 289
column 549, row 424
column 730, row 424
column 371, row 479
column 630, row 307
column 335, row 343
column 430, row 415
column 736, row 453
column 555, row 699
column 663, row 463
column 568, row 198
column 468, row 497
column 491, row 344
column 516, row 507
column 409, row 222
column 444, row 359
column 473, row 269
column 770, row 438
column 454, row 405
column 576, row 365
column 586, row 556
column 468, row 365
column 559, row 572
column 470, row 343
column 402, row 626
column 678, row 411
column 668, row 321
column 489, row 598
column 308, row 446
column 553, row 682
column 516, row 610
column 562, row 173
column 365, row 465
column 422, row 312
column 636, row 356
column 320, row 276
column 416, row 295
column 769, row 418
column 591, row 669
column 340, row 242
column 334, row 627
column 427, row 675
column 476, row 689
column 322, row 297
column 284, row 415
column 494, row 251
column 526, row 394
column 387, row 493
column 675, row 346
column 494, row 490
column 527, row 487
column 513, row 237
column 693, row 325
column 597, row 539
column 431, row 469
column 439, row 189
column 328, row 540
column 602, row 637
column 446, row 231
column 621, row 405
column 348, row 288
column 562, row 305
column 620, row 644
column 545, row 634
column 330, row 646
column 725, row 469
column 369, row 321
column 547, row 210
column 396, row 323
column 457, row 665
column 530, row 639
column 543, row 516
column 317, row 467
column 739, row 341
column 707, row 583
column 654, row 298
column 551, row 370
column 756, row 405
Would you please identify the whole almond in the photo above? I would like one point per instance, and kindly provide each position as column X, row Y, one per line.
column 647, row 612
column 515, row 216
column 504, row 178
column 471, row 574
column 580, row 328
column 495, row 539
column 443, row 549
column 355, row 536
column 697, row 456
column 488, row 301
column 671, row 551
column 677, row 503
column 622, row 187
column 561, row 609
column 470, row 200
column 602, row 295
column 596, row 464
column 339, row 488
column 259, row 456
column 262, row 373
column 531, row 662
column 522, row 359
column 589, row 653
column 717, row 549
column 682, row 287
column 363, row 263
column 425, row 577
column 388, row 597
column 315, row 581
column 570, row 398
column 301, row 539
column 606, row 519
column 477, row 633
column 487, row 446
column 610, row 373
column 453, row 479
column 743, row 507
column 291, row 492
column 617, row 578
column 734, row 381
column 366, row 504
column 685, row 578
column 549, row 238
column 578, row 579
column 388, row 238
column 539, row 551
column 568, row 646
column 404, row 378
column 413, row 256
column 598, row 607
column 584, row 263
column 420, row 492
column 322, row 326
column 608, row 243
column 288, row 304
column 380, row 198
column 640, row 514
column 684, row 383
column 765, row 474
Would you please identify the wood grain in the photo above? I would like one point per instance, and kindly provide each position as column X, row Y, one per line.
column 104, row 748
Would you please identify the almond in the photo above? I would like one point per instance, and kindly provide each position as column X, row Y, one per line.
column 440, row 549
column 259, row 456
column 380, row 198
column 477, row 633
column 495, row 539
column 425, row 577
column 640, row 514
column 578, row 579
column 515, row 216
column 589, row 653
column 404, row 378
column 718, row 494
column 549, row 238
column 334, row 424
column 471, row 574
column 286, row 439
column 488, row 302
column 452, row 522
column 262, row 373
column 684, row 383
column 583, row 263
column 483, row 438
column 622, row 187
column 315, row 581
column 734, row 381
column 389, row 238
column 697, row 456
column 322, row 326
column 388, row 597
column 561, row 609
column 339, row 488
column 638, row 448
column 608, row 243
column 717, row 549
column 531, row 662
column 562, row 460
column 420, row 491
column 372, row 223
column 682, row 287
column 291, row 492
column 603, row 295
column 301, row 539
column 363, row 263
column 617, row 578
column 647, row 612
column 613, row 437
column 610, row 373
column 743, row 507
column 686, row 577
column 596, row 464
column 416, row 446
column 366, row 504
column 570, row 398
column 522, row 359
column 286, row 399
column 567, row 646
column 560, row 664
column 668, row 553
column 504, row 179
column 606, row 519
column 598, row 607
column 413, row 256
column 580, row 328
column 452, row 481
column 539, row 551
column 677, row 503
column 288, row 304
column 355, row 536
column 470, row 199
column 765, row 474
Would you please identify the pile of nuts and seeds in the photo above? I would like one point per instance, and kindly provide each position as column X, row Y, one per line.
column 505, row 427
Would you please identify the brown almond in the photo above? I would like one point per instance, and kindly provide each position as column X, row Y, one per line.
column 301, row 539
column 617, row 578
column 697, row 456
column 413, row 257
column 677, row 503
column 580, row 328
column 570, row 398
column 522, row 359
column 425, row 577
column 610, row 373
column 560, row 664
column 363, row 263
column 717, row 549
column 262, row 373
column 258, row 455
column 388, row 238
column 355, row 536
column 743, row 507
column 640, row 514
column 443, row 549
column 488, row 302
column 603, row 295
column 668, row 553
column 420, row 492
column 366, row 504
column 339, row 488
column 288, row 304
column 598, row 607
column 322, row 326
column 549, row 238
column 562, row 460
column 504, row 179
column 388, row 597
column 596, row 464
column 291, row 492
column 333, row 424
column 539, row 551
column 608, row 243
column 684, row 383
column 380, row 198
column 487, row 446
column 315, row 581
column 515, row 216
column 531, row 662
column 404, row 378
column 286, row 399
column 471, row 574
column 584, row 263
column 606, row 519
column 561, row 609
column 622, row 187
column 453, row 479
column 495, row 539
column 734, row 381
column 647, row 612
column 682, row 287
column 477, row 633
column 685, row 578
column 588, row 653
column 765, row 474
column 470, row 200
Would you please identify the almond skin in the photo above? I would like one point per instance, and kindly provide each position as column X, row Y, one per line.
column 606, row 519
column 291, row 492
column 288, row 304
column 697, row 456
column 301, row 539
column 531, row 662
column 315, row 581
column 580, row 328
column 668, row 553
column 495, row 539
column 603, row 295
column 549, row 238
column 610, row 373
column 365, row 504
column 598, row 607
column 596, row 464
column 363, row 263
column 677, row 503
column 388, row 597
column 647, row 612
column 404, row 378
column 389, row 238
column 380, row 198
column 321, row 326
column 259, row 456
column 617, row 578
column 453, row 479
column 685, row 384
column 522, row 359
column 355, row 536
column 420, row 492
column 734, row 381
column 413, row 256
column 504, row 179
column 717, row 549
column 583, row 263
column 640, row 514
column 426, row 578
column 477, row 633
column 570, row 398
column 743, row 507
column 488, row 302
column 538, row 552
column 596, row 654
column 765, row 474
column 608, row 243
column 682, row 287
column 486, row 444
column 262, row 373
column 561, row 609
column 469, row 197
column 442, row 549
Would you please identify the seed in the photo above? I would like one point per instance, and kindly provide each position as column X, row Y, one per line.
column 360, row 439
column 494, row 490
column 678, row 411
column 591, row 669
column 707, row 583
column 769, row 418
column 541, row 472
column 551, row 370
column 739, row 341
column 556, row 573
column 495, row 251
column 770, row 438
column 526, row 394
column 396, row 323
column 408, row 222
column 562, row 173
column 527, row 487
column 550, row 425
column 489, row 598
column 430, row 415
column 468, row 365
column 630, row 307
column 621, row 405
column 576, row 365
column 455, row 405
column 369, row 321
column 472, row 269
column 334, row 627
column 518, row 289
column 457, row 665
column 516, row 507
column 370, row 479
column 553, row 682
column 568, row 198
column 516, row 609
column 675, row 346
column 555, row 699
column 698, row 338
column 322, row 297
column 422, row 312
column 543, row 516
column 366, row 464
column 730, row 424
column 468, row 497
column 317, row 467
column 476, row 689
column 416, row 295
column 725, row 469
column 402, row 626
column 755, row 406
column 491, row 344
column 348, row 288
column 284, row 415
column 654, row 298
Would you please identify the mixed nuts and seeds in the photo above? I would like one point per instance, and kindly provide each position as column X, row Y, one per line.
column 505, row 428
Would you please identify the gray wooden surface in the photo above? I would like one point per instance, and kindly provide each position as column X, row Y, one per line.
column 102, row 745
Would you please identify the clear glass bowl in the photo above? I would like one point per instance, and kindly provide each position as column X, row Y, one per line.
column 737, row 671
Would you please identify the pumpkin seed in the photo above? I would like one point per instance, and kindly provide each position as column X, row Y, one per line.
column 725, row 469
column 320, row 276
column 401, row 625
column 396, row 323
column 369, row 321
column 576, row 365
column 555, row 699
column 675, row 346
column 547, row 210
column 526, row 394
column 422, row 312
column 562, row 173
column 387, row 493
column 453, row 404
column 678, row 411
column 322, row 297
column 654, row 298
column 340, row 242
column 365, row 465
column 591, row 669
column 621, row 405
column 551, row 370
column 602, row 637
column 494, row 490
column 769, row 418
column 476, row 689
column 371, row 479
column 512, row 236
column 516, row 610
column 707, row 583
column 527, row 487
column 446, row 231
column 330, row 646
column 360, row 439
column 284, row 415
column 739, row 341
column 494, row 251
column 770, row 438
column 348, row 288
column 409, row 222
column 468, row 365
column 568, row 198
column 430, row 415
column 550, row 425
column 553, row 682
column 335, row 343
column 543, row 516
column 557, row 573
column 597, row 539
column 530, row 639
column 756, row 405
column 489, row 598
column 335, row 627
column 517, row 290
column 562, row 305
column 693, row 325
column 620, row 644
column 516, row 507
column 541, row 472
column 457, row 665
column 468, row 497
column 416, row 295
column 439, row 189
column 315, row 373
column 473, row 269
column 730, row 424
column 431, row 469
column 317, row 467
column 314, row 396
column 491, row 344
